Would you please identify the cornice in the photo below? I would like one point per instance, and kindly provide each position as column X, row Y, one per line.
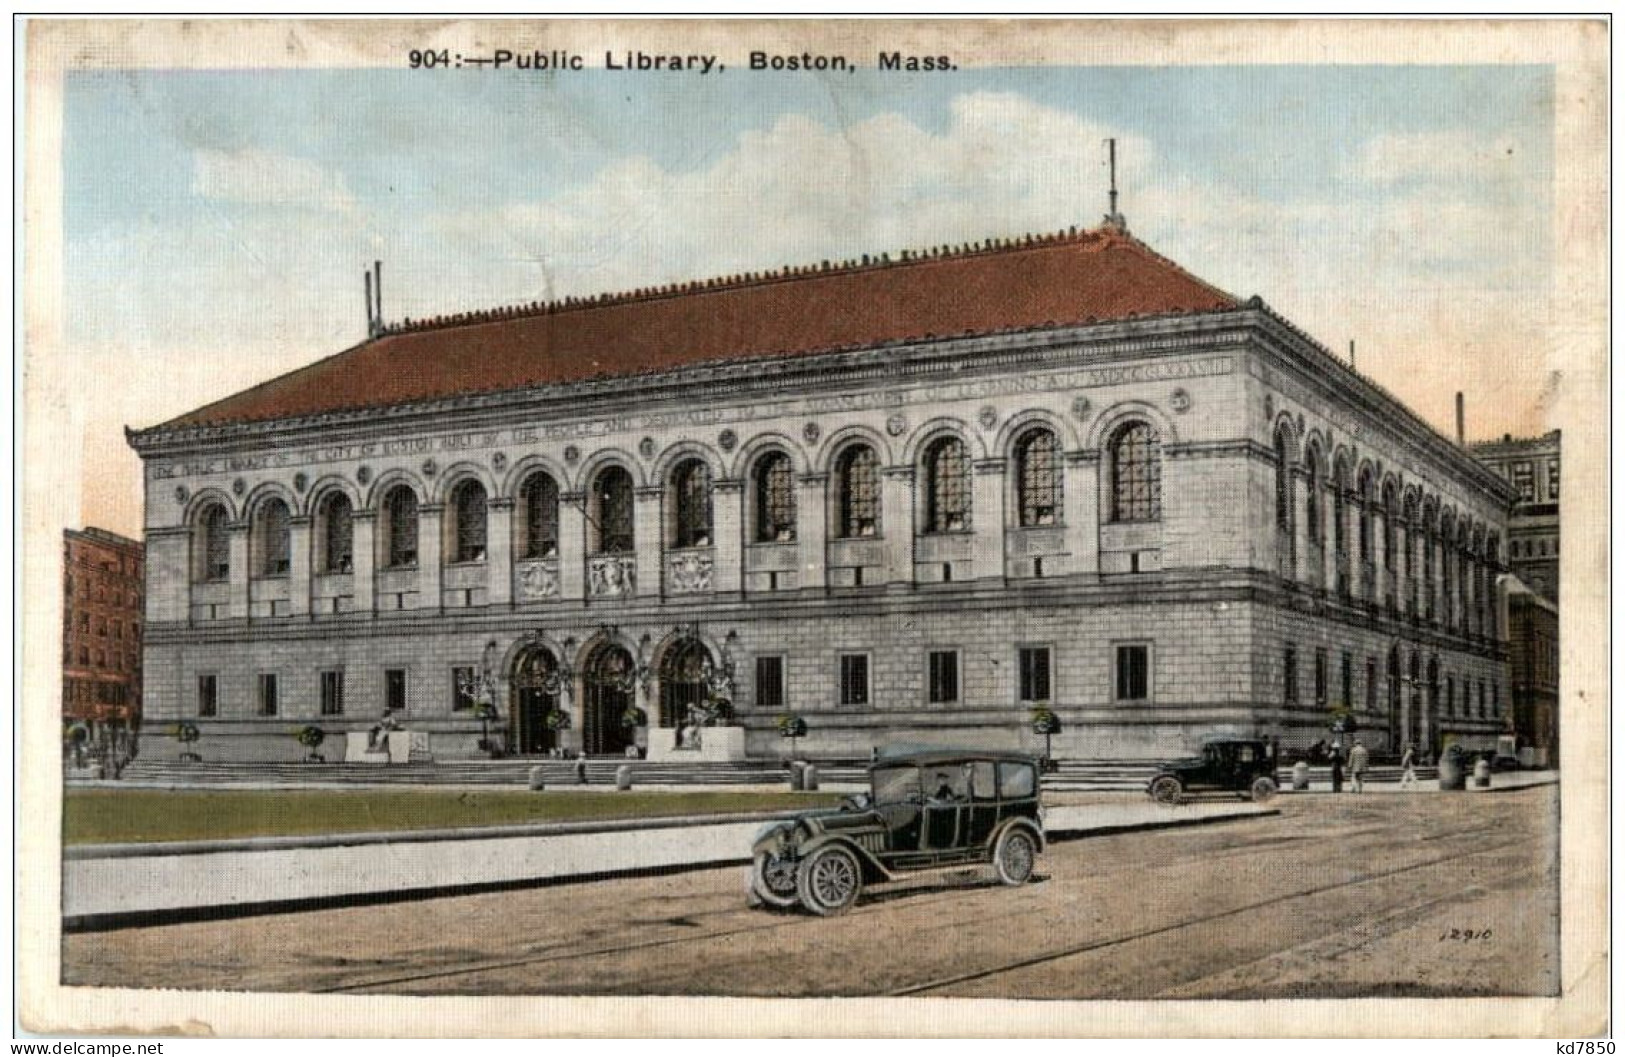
column 961, row 359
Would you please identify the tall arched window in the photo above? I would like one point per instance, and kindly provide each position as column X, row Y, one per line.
column 612, row 508
column 213, row 544
column 1340, row 484
column 1038, row 478
column 691, row 488
column 1283, row 483
column 947, row 486
column 270, row 532
column 540, row 495
column 337, row 534
column 1390, row 511
column 1364, row 499
column 1136, row 473
column 774, row 480
column 1311, row 511
column 401, row 532
column 858, row 488
column 468, row 522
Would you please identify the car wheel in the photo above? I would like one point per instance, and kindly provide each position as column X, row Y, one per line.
column 774, row 880
column 1167, row 790
column 1263, row 788
column 1014, row 856
column 829, row 881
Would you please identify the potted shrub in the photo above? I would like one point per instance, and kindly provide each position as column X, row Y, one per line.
column 558, row 721
column 1047, row 723
column 187, row 734
column 75, row 736
column 311, row 737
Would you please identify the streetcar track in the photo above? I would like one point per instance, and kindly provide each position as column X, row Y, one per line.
column 1095, row 945
column 944, row 900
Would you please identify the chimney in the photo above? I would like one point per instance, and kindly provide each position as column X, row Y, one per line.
column 1351, row 353
column 1461, row 420
column 372, row 320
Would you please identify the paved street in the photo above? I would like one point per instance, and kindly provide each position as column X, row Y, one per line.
column 1414, row 895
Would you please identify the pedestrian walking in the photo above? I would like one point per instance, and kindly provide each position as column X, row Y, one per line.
column 1407, row 763
column 1337, row 768
column 581, row 767
column 1359, row 760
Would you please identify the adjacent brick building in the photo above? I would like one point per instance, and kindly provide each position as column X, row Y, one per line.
column 103, row 590
column 909, row 499
column 1533, row 465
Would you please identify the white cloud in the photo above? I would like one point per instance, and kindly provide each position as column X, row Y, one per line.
column 264, row 178
column 1451, row 155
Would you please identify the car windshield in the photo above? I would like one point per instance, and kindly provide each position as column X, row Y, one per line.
column 894, row 785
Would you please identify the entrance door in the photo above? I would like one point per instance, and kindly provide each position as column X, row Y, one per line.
column 534, row 673
column 610, row 683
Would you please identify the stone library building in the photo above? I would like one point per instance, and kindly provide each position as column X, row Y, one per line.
column 907, row 500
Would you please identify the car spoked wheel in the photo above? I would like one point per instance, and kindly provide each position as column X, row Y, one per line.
column 773, row 879
column 829, row 881
column 1014, row 857
column 1263, row 788
column 1167, row 790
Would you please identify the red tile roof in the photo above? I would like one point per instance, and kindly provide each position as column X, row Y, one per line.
column 997, row 286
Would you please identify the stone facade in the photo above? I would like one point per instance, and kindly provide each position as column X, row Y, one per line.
column 103, row 583
column 1145, row 568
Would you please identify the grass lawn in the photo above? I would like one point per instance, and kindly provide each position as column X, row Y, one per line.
column 100, row 816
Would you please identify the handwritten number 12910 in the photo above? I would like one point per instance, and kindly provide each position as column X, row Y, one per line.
column 1465, row 935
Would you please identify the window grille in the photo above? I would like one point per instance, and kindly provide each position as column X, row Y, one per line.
column 268, row 694
column 333, row 693
column 1035, row 681
column 859, row 473
column 943, row 676
column 1283, row 485
column 394, row 689
column 216, row 545
column 615, row 519
column 339, row 532
column 947, row 487
column 274, row 538
column 854, row 679
column 541, row 496
column 402, row 508
column 1038, row 481
column 692, row 482
column 769, row 682
column 1136, row 474
column 1289, row 675
column 1133, row 673
column 208, row 696
column 468, row 504
column 775, row 499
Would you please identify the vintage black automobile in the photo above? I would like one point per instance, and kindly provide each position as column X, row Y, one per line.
column 1242, row 765
column 924, row 810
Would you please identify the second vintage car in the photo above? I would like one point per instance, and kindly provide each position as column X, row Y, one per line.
column 924, row 810
column 1241, row 765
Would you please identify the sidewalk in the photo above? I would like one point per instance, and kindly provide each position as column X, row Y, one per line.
column 1500, row 782
column 109, row 885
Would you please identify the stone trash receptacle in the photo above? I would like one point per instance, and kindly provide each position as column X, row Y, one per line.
column 797, row 776
column 1481, row 774
column 537, row 781
column 809, row 778
column 623, row 777
column 1300, row 775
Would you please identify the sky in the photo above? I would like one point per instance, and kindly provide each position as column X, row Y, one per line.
column 216, row 223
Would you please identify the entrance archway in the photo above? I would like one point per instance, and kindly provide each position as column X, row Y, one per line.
column 682, row 680
column 535, row 693
column 610, row 683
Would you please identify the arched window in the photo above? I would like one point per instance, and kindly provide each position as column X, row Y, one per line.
column 540, row 496
column 1340, row 484
column 213, row 544
column 858, row 487
column 337, row 534
column 1364, row 499
column 947, row 486
column 401, row 532
column 691, row 487
column 774, row 479
column 271, row 537
column 1038, row 480
column 1311, row 497
column 612, row 509
column 1390, row 511
column 468, row 522
column 1136, row 474
column 1283, row 484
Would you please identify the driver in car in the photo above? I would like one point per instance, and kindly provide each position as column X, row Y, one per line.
column 945, row 788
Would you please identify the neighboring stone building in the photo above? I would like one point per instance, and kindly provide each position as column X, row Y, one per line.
column 909, row 500
column 1532, row 465
column 1534, row 652
column 103, row 591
